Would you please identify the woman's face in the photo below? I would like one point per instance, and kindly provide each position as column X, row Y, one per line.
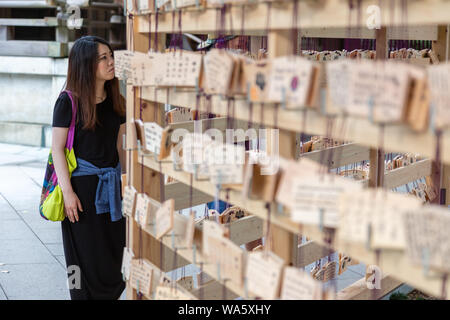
column 105, row 67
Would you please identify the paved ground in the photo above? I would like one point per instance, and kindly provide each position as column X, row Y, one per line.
column 32, row 264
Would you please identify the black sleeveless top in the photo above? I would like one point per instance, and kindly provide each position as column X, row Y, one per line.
column 98, row 146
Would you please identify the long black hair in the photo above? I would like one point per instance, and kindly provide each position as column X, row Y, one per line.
column 81, row 77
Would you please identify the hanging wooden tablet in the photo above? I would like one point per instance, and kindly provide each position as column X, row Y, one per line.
column 140, row 131
column 313, row 196
column 194, row 147
column 128, row 255
column 233, row 214
column 225, row 163
column 439, row 85
column 122, row 64
column 181, row 68
column 261, row 176
column 417, row 113
column 142, row 208
column 129, row 201
column 291, row 81
column 210, row 229
column 147, row 69
column 299, row 285
column 166, row 143
column 338, row 84
column 256, row 75
column 150, row 217
column 237, row 86
column 164, row 218
column 172, row 293
column 217, row 71
column 229, row 258
column 179, row 115
column 355, row 216
column 263, row 274
column 153, row 136
column 141, row 276
column 379, row 90
column 427, row 237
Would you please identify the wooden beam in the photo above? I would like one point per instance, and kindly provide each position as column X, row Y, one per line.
column 33, row 48
column 393, row 33
column 181, row 193
column 246, row 229
column 360, row 131
column 214, row 290
column 312, row 14
column 341, row 155
column 310, row 252
column 404, row 175
column 359, row 290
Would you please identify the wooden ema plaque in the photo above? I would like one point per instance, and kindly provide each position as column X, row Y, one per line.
column 311, row 194
column 291, row 81
column 427, row 237
column 261, row 176
column 181, row 68
column 146, row 69
column 141, row 276
column 263, row 274
column 128, row 255
column 379, row 90
column 338, row 83
column 164, row 218
column 379, row 211
column 194, row 147
column 299, row 285
column 122, row 64
column 217, row 71
column 210, row 229
column 153, row 136
column 225, row 163
column 228, row 257
column 142, row 208
column 256, row 75
column 439, row 85
column 129, row 201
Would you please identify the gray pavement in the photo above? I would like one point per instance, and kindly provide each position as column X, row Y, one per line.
column 32, row 263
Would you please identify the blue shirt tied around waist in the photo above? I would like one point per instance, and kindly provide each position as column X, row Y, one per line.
column 107, row 197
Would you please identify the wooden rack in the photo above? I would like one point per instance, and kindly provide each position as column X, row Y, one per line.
column 316, row 19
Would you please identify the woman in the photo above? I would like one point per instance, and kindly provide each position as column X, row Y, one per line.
column 93, row 230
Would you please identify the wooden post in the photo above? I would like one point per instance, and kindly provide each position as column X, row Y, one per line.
column 284, row 243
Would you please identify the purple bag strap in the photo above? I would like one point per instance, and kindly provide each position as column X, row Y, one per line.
column 71, row 133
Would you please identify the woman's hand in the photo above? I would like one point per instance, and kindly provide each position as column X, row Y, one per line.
column 72, row 204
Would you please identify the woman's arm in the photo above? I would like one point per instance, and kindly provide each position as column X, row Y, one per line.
column 122, row 154
column 71, row 201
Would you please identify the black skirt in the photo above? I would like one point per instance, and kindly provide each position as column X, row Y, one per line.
column 94, row 244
